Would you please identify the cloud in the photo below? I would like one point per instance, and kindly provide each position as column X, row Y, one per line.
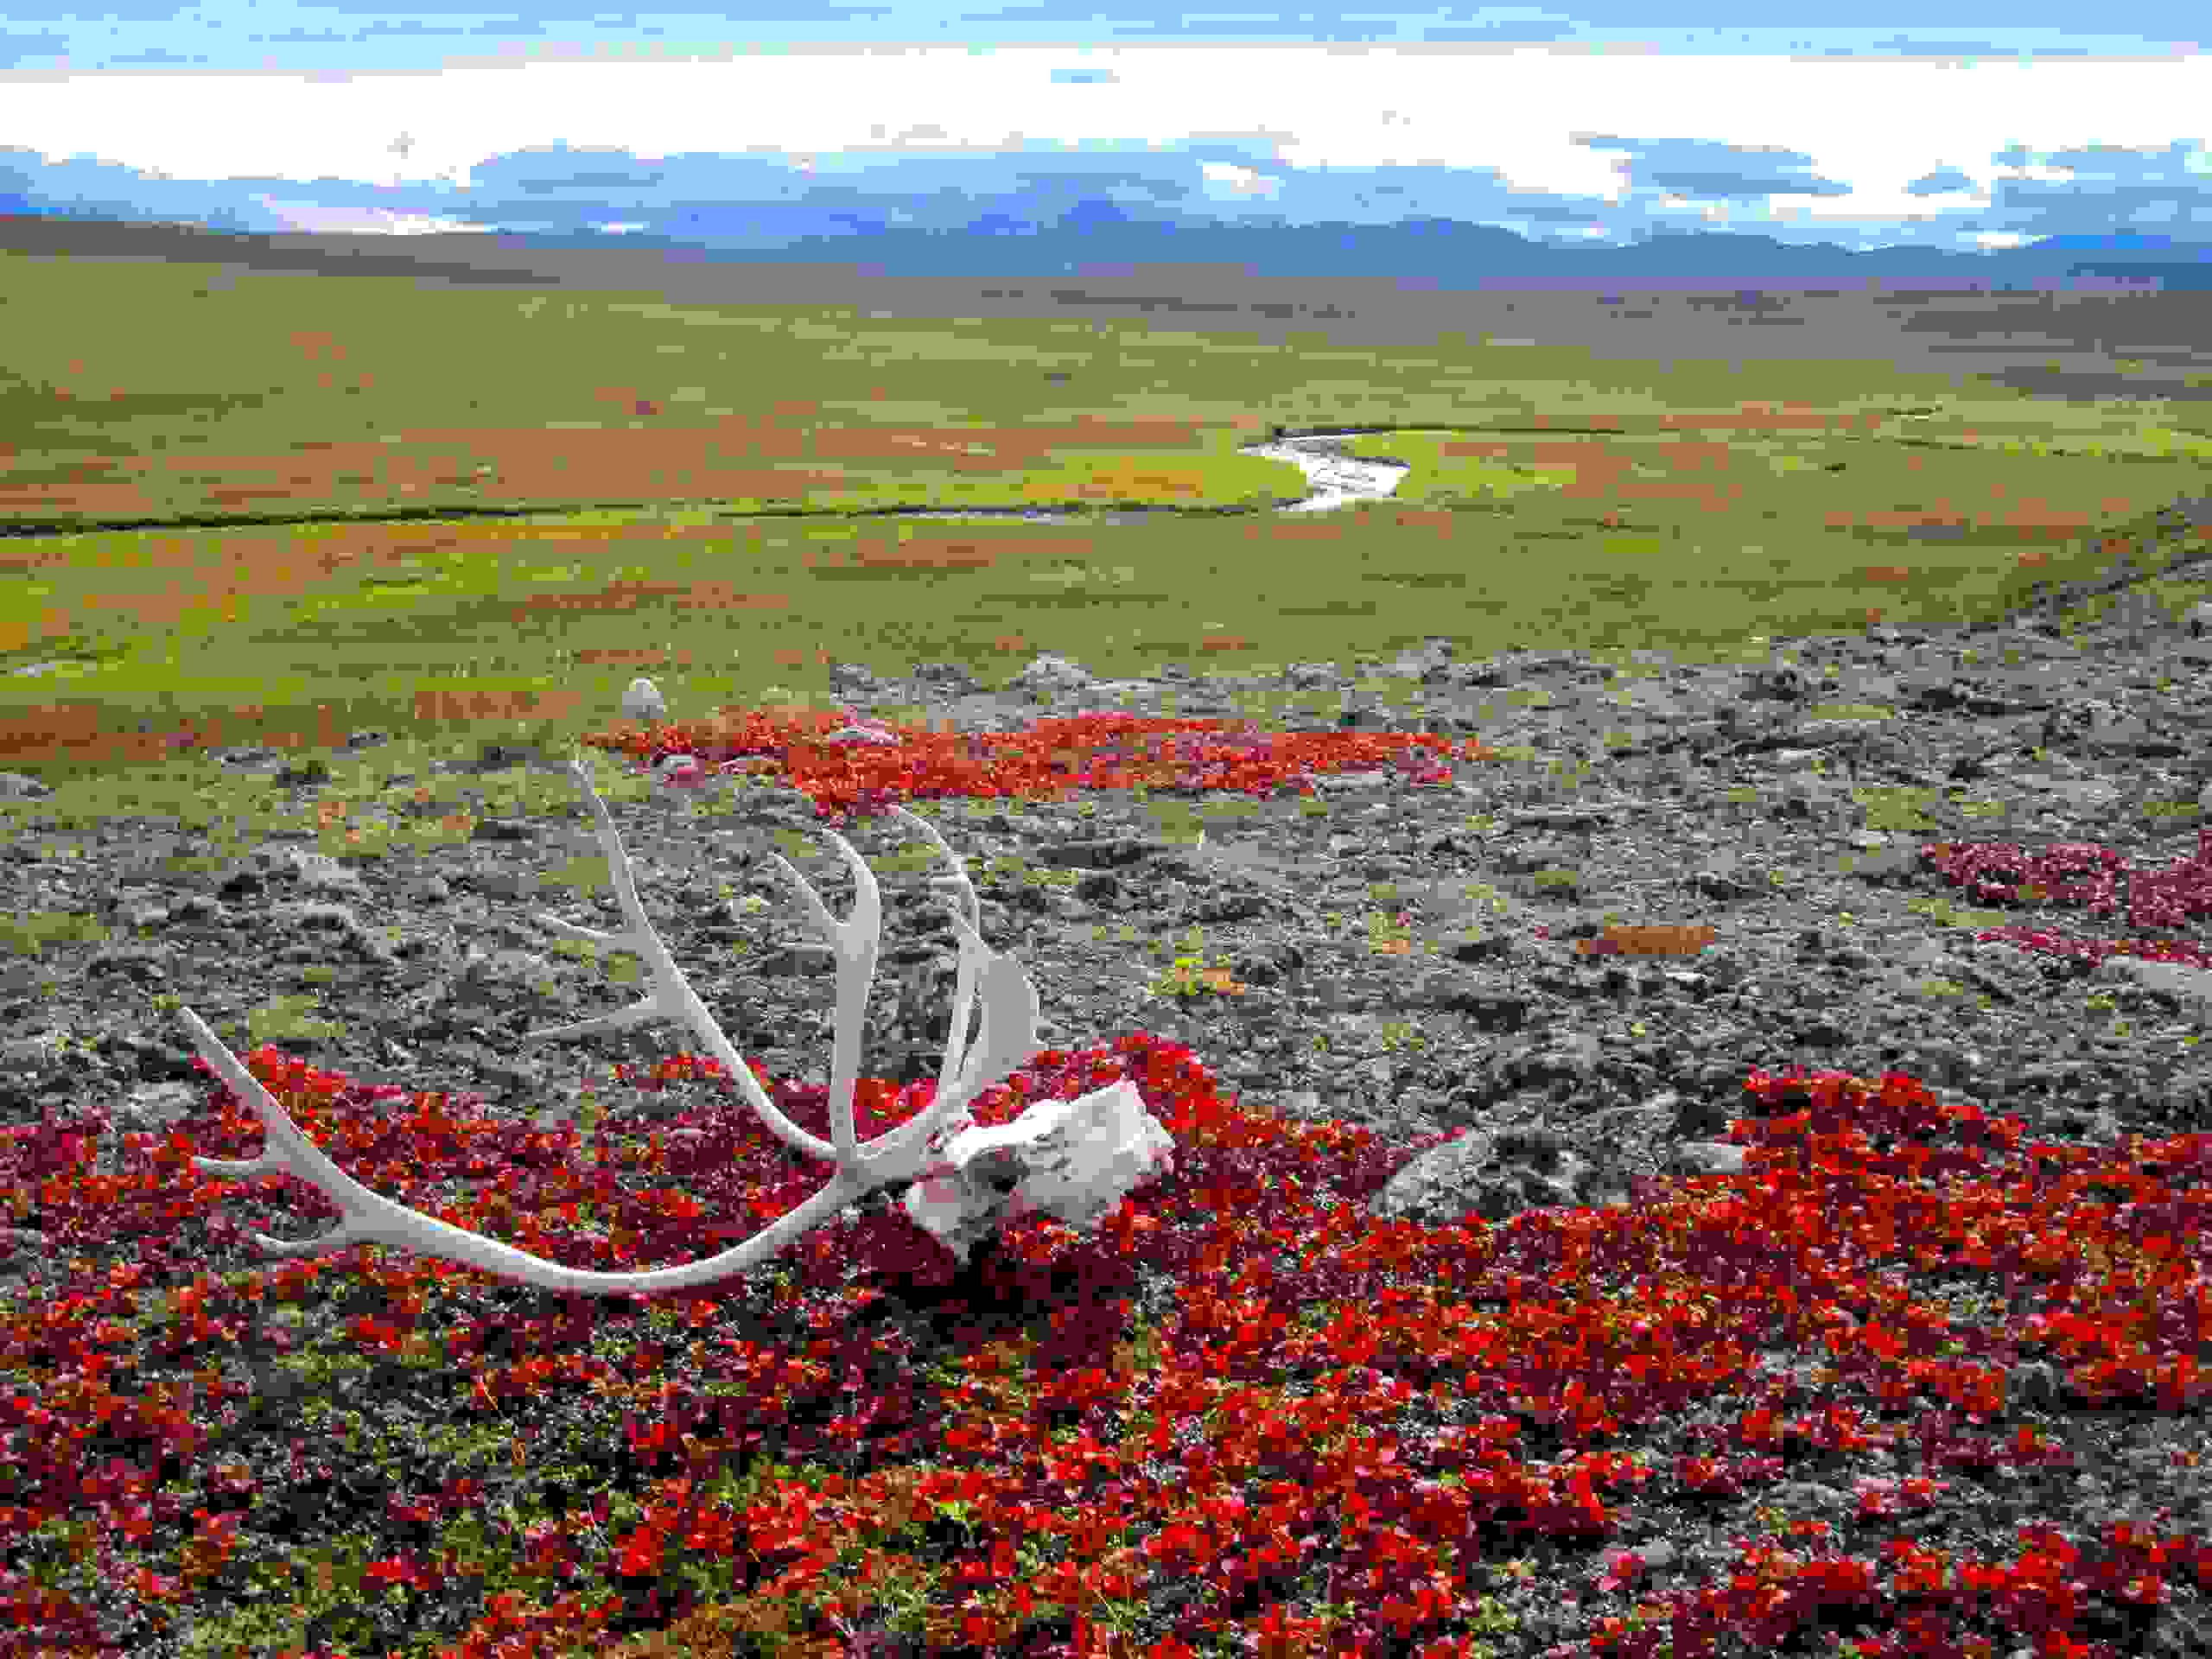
column 1143, row 148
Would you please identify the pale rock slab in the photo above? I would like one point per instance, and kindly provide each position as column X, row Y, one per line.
column 1498, row 1175
column 643, row 702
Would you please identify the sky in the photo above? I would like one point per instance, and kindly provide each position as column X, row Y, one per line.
column 1860, row 126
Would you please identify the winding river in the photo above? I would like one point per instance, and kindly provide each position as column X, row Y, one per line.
column 1335, row 479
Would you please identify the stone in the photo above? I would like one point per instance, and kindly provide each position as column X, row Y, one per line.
column 643, row 702
column 1051, row 676
column 1498, row 1175
column 863, row 734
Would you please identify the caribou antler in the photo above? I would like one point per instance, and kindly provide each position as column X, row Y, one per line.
column 1080, row 1156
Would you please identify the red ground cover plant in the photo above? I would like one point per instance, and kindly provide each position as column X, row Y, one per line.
column 2081, row 872
column 1013, row 1462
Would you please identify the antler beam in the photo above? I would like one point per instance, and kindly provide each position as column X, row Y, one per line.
column 1081, row 1156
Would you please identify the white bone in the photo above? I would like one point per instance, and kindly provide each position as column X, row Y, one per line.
column 1078, row 1161
column 1071, row 1159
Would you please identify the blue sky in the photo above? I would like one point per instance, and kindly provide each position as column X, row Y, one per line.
column 1992, row 126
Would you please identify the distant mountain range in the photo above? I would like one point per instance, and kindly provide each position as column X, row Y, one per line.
column 1416, row 254
column 1444, row 254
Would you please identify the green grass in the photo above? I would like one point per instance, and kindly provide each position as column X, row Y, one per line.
column 366, row 565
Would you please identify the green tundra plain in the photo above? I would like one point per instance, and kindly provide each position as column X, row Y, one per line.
column 254, row 506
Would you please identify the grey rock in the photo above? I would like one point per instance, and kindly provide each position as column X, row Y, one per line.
column 1611, row 1160
column 643, row 702
column 1051, row 674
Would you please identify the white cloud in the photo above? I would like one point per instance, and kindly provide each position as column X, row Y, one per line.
column 1874, row 125
column 1229, row 183
column 326, row 220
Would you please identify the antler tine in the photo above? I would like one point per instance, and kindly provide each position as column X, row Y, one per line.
column 968, row 922
column 672, row 997
column 1005, row 1039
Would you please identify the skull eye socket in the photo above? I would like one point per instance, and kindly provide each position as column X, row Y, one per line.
column 999, row 1169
